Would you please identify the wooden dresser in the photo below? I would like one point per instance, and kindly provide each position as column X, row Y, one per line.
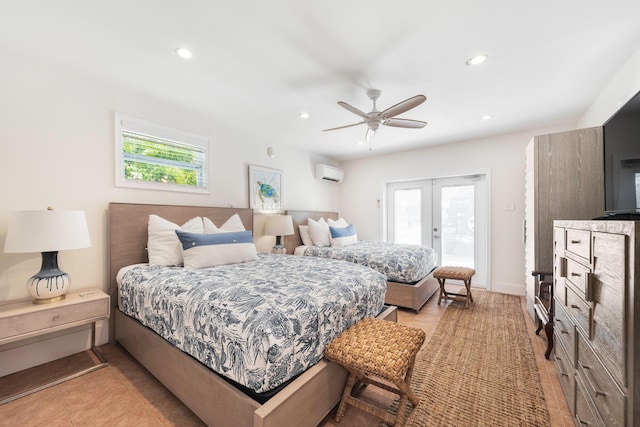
column 597, row 316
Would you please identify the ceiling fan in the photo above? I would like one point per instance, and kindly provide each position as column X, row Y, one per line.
column 374, row 119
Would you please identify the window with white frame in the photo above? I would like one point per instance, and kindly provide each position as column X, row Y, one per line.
column 153, row 156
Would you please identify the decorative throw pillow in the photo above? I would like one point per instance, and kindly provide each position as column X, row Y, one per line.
column 343, row 236
column 319, row 232
column 163, row 246
column 210, row 250
column 305, row 236
column 340, row 222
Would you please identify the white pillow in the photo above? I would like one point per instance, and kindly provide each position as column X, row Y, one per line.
column 305, row 236
column 319, row 232
column 343, row 236
column 213, row 249
column 234, row 223
column 209, row 226
column 340, row 222
column 163, row 246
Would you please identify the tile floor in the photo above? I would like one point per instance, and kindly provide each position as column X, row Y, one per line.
column 125, row 394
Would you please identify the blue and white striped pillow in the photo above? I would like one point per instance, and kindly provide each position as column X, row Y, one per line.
column 343, row 236
column 210, row 250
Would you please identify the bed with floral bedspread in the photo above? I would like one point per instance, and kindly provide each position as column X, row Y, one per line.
column 257, row 323
column 402, row 263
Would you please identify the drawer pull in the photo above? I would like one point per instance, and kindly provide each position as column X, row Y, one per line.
column 581, row 422
column 575, row 274
column 564, row 332
column 575, row 306
column 576, row 242
column 588, row 286
column 588, row 377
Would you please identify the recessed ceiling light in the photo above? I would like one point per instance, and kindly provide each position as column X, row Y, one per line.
column 486, row 117
column 478, row 59
column 304, row 115
column 359, row 142
column 184, row 53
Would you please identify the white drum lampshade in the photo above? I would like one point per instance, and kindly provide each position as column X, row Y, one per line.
column 47, row 231
column 278, row 225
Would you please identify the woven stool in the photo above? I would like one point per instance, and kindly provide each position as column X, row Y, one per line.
column 459, row 273
column 382, row 349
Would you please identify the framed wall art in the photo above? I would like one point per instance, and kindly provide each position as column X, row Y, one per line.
column 265, row 189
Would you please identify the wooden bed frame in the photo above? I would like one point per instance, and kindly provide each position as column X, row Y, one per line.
column 303, row 402
column 398, row 294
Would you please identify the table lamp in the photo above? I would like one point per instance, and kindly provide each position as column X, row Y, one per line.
column 278, row 225
column 47, row 231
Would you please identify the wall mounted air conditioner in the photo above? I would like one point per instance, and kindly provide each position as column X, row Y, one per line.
column 329, row 173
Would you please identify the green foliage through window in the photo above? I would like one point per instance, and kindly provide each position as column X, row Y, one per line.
column 153, row 159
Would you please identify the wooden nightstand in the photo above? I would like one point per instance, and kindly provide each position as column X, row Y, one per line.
column 22, row 320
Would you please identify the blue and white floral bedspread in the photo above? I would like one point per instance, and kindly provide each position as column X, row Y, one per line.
column 401, row 263
column 258, row 323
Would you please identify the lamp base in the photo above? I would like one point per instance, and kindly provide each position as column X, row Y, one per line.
column 49, row 284
column 278, row 249
column 48, row 300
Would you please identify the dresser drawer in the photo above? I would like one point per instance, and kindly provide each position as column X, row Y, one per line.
column 600, row 386
column 565, row 373
column 560, row 290
column 579, row 275
column 565, row 332
column 579, row 243
column 580, row 311
column 585, row 413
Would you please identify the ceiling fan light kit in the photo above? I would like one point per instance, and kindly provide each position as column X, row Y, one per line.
column 374, row 119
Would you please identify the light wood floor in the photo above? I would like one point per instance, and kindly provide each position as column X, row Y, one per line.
column 125, row 394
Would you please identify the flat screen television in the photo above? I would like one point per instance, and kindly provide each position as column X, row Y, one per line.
column 622, row 161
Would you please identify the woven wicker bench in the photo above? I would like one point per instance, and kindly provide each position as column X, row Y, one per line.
column 377, row 348
column 458, row 273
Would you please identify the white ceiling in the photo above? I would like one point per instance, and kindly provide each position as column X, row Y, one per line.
column 257, row 64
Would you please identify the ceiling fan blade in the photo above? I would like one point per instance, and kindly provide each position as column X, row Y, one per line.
column 353, row 109
column 403, row 106
column 405, row 123
column 342, row 127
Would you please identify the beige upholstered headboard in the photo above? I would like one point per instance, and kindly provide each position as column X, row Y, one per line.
column 300, row 218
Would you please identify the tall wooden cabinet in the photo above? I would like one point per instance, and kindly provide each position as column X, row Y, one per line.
column 597, row 320
column 564, row 179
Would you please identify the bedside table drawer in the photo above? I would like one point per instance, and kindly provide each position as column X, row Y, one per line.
column 23, row 320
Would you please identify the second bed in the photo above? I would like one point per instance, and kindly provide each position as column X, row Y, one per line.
column 408, row 268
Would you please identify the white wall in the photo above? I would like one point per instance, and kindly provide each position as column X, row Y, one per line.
column 57, row 149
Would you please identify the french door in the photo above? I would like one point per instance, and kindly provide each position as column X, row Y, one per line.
column 448, row 214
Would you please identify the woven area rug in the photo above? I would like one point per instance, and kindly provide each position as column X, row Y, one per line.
column 478, row 368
